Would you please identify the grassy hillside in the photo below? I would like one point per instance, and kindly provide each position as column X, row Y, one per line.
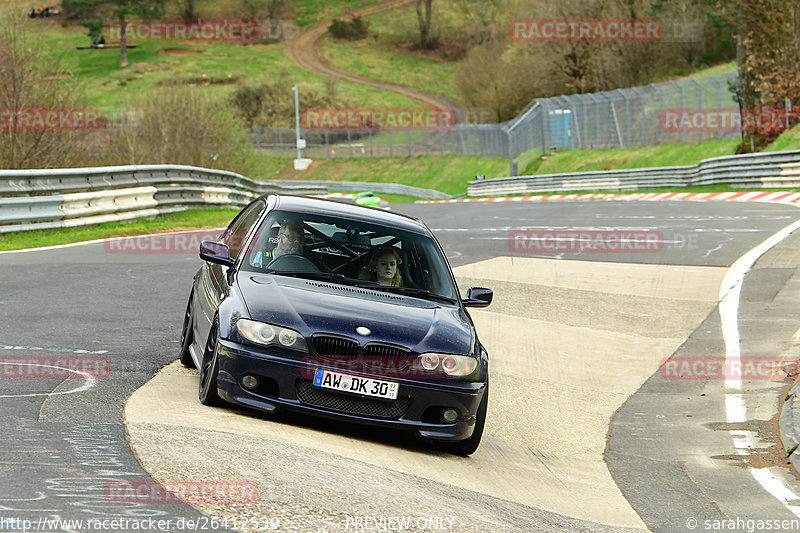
column 665, row 155
column 216, row 67
column 448, row 174
column 788, row 140
column 387, row 55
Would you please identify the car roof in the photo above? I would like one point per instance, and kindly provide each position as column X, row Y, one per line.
column 321, row 206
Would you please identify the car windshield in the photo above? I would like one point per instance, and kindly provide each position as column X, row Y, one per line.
column 351, row 252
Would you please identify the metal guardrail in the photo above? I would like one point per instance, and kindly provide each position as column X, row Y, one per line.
column 384, row 188
column 770, row 169
column 41, row 199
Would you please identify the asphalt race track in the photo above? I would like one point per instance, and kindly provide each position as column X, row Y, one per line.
column 586, row 431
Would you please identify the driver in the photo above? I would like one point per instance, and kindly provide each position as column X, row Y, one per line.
column 290, row 240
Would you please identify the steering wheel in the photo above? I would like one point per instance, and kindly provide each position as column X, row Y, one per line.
column 293, row 262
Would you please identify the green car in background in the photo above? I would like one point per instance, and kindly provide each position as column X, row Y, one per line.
column 367, row 198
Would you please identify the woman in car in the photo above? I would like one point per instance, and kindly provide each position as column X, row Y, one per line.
column 383, row 267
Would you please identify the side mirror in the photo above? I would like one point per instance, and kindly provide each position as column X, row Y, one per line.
column 215, row 252
column 478, row 297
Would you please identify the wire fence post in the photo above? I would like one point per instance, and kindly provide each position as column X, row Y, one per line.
column 639, row 93
column 699, row 103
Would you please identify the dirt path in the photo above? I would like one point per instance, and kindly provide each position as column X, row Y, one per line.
column 305, row 51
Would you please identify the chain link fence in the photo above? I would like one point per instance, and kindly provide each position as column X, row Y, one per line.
column 638, row 116
column 485, row 140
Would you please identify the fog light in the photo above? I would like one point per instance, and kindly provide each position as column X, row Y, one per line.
column 450, row 415
column 250, row 382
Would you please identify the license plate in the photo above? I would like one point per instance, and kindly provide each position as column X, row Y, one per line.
column 355, row 384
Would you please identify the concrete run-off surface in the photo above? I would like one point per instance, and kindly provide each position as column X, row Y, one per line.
column 569, row 342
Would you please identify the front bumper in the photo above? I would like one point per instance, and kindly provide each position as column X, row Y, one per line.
column 285, row 384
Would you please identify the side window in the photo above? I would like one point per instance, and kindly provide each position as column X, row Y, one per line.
column 236, row 233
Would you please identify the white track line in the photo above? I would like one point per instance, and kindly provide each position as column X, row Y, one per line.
column 88, row 381
column 735, row 407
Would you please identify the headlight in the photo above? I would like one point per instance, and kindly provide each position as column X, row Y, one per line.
column 270, row 335
column 452, row 365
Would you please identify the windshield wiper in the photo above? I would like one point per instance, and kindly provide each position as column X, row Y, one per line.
column 410, row 291
column 327, row 276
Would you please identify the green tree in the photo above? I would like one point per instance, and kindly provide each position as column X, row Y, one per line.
column 427, row 39
column 180, row 125
column 92, row 12
column 28, row 83
column 768, row 59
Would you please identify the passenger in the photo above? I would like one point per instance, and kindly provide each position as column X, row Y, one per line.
column 290, row 240
column 383, row 268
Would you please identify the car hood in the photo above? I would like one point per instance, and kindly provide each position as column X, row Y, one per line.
column 311, row 306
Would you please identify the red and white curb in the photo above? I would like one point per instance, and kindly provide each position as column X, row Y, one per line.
column 761, row 196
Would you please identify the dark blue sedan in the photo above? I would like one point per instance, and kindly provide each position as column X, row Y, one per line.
column 341, row 311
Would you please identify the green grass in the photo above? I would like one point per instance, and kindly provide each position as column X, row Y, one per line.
column 448, row 174
column 665, row 155
column 215, row 67
column 310, row 12
column 190, row 219
column 386, row 55
column 788, row 140
column 390, row 198
column 714, row 70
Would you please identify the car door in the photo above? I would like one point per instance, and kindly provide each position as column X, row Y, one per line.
column 213, row 285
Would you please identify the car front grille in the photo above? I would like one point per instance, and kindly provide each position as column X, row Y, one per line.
column 329, row 345
column 384, row 350
column 350, row 404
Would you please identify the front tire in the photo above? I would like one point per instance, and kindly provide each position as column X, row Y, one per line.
column 469, row 445
column 186, row 336
column 209, row 369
